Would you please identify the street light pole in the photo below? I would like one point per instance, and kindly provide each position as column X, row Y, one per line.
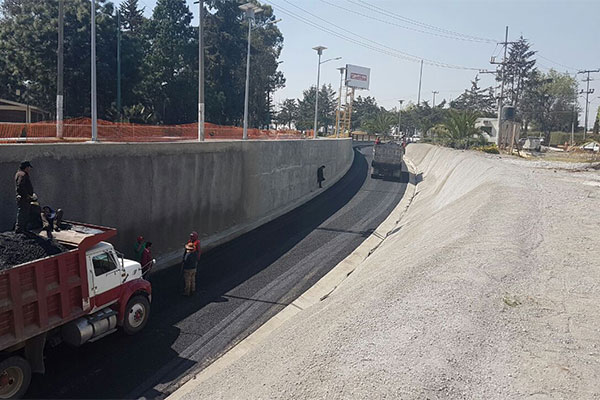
column 119, row 63
column 399, row 113
column 251, row 10
column 60, row 64
column 201, row 71
column 339, row 110
column 93, row 62
column 319, row 50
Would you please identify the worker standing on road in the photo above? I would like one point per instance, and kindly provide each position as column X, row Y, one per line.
column 25, row 195
column 320, row 176
column 138, row 248
column 147, row 260
column 191, row 256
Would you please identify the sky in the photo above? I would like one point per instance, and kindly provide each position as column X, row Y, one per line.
column 456, row 38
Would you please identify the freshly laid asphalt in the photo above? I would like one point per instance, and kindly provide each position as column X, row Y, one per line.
column 241, row 284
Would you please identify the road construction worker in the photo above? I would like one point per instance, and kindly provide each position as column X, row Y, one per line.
column 138, row 248
column 320, row 175
column 51, row 220
column 191, row 256
column 147, row 260
column 24, row 196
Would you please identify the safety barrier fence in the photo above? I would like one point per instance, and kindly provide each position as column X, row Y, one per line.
column 80, row 130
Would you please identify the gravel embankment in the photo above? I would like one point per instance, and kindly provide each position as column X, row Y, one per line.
column 489, row 289
column 19, row 248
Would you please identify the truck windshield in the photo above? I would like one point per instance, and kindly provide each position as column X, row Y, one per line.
column 103, row 263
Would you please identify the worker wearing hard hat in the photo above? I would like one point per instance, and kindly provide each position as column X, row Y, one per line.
column 191, row 256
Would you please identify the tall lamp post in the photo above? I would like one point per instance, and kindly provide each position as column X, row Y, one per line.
column 93, row 62
column 200, row 70
column 319, row 50
column 339, row 110
column 399, row 114
column 251, row 10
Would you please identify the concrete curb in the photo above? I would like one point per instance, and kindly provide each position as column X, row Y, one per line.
column 318, row 292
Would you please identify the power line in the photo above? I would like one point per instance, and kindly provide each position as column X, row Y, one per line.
column 385, row 12
column 557, row 63
column 391, row 51
column 404, row 26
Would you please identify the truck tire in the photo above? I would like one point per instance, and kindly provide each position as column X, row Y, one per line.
column 136, row 314
column 15, row 377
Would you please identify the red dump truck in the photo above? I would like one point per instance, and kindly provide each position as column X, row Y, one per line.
column 75, row 297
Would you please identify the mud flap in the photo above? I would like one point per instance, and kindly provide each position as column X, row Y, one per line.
column 34, row 353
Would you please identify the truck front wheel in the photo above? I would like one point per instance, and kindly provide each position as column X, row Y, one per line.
column 136, row 314
column 15, row 376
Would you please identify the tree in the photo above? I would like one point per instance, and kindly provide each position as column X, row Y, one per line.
column 132, row 16
column 476, row 99
column 327, row 106
column 363, row 109
column 226, row 33
column 288, row 112
column 461, row 130
column 550, row 101
column 518, row 71
column 169, row 74
column 28, row 42
column 381, row 123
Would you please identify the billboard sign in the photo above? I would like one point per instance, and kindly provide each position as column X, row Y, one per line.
column 357, row 77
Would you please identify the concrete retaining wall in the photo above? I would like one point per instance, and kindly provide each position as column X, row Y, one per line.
column 163, row 191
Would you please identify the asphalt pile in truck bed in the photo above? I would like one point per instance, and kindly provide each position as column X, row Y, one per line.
column 19, row 248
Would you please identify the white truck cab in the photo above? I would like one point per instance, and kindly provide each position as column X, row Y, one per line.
column 108, row 270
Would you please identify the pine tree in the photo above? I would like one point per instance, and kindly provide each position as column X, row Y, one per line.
column 132, row 17
column 476, row 99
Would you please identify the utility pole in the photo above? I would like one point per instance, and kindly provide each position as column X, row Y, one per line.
column 119, row 63
column 587, row 93
column 201, row 73
column 501, row 98
column 60, row 68
column 434, row 93
column 93, row 62
column 420, row 79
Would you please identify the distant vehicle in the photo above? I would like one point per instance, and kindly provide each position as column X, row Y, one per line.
column 77, row 296
column 387, row 160
column 531, row 143
column 591, row 146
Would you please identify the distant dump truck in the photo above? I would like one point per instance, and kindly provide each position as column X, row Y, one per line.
column 79, row 295
column 387, row 160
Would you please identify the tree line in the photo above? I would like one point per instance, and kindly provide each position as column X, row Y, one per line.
column 544, row 102
column 159, row 60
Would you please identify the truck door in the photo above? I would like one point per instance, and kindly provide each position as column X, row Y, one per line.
column 107, row 274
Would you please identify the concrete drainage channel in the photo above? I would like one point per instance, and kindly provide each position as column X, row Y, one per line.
column 318, row 292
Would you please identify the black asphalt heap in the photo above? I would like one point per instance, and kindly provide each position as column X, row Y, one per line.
column 241, row 285
column 19, row 248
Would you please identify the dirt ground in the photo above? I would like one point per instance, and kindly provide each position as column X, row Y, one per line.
column 488, row 289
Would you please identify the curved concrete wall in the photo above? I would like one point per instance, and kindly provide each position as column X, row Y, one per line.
column 164, row 191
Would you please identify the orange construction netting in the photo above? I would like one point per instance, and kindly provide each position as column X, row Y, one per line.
column 80, row 130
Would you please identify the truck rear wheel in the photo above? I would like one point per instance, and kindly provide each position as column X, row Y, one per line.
column 15, row 377
column 136, row 314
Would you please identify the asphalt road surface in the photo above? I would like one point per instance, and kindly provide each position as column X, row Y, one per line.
column 241, row 285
